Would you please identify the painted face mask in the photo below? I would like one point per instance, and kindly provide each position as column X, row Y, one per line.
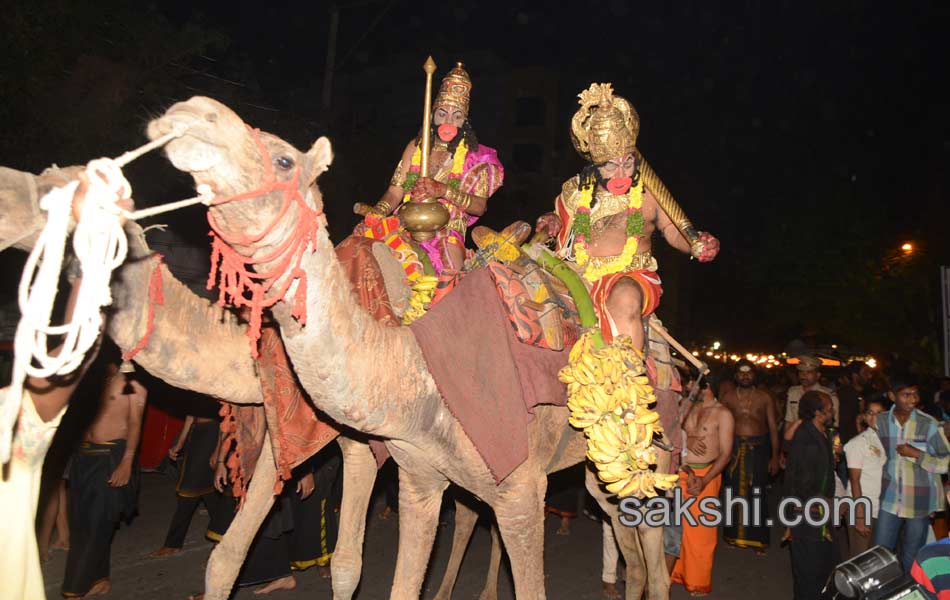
column 619, row 185
column 447, row 132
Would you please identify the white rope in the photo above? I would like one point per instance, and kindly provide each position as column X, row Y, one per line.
column 205, row 196
column 100, row 246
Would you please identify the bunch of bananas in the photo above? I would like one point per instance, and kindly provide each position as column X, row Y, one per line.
column 423, row 289
column 609, row 397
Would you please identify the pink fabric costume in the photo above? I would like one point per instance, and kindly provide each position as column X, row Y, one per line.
column 482, row 175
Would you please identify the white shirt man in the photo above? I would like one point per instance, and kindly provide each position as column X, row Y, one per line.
column 866, row 453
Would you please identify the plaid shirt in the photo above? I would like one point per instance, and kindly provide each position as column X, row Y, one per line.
column 912, row 488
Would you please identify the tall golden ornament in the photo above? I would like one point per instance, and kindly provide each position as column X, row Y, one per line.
column 606, row 127
column 423, row 218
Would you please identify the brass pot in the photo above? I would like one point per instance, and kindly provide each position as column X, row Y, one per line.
column 423, row 219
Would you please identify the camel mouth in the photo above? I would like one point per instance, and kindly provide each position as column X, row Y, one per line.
column 193, row 154
column 198, row 149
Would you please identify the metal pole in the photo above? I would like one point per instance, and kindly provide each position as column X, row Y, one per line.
column 945, row 288
column 429, row 68
column 331, row 59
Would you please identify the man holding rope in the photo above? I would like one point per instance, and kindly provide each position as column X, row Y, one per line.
column 43, row 403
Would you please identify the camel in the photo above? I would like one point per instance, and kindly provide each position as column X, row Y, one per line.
column 185, row 325
column 171, row 355
column 336, row 357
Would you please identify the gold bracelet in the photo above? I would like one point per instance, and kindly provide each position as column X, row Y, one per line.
column 382, row 208
column 459, row 198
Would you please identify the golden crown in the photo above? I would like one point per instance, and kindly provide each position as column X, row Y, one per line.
column 456, row 90
column 605, row 126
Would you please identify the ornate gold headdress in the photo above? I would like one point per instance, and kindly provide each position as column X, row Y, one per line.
column 456, row 90
column 605, row 126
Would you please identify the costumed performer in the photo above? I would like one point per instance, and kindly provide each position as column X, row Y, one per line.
column 464, row 173
column 605, row 216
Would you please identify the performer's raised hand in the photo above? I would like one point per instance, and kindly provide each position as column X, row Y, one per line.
column 710, row 247
column 427, row 188
column 305, row 486
column 548, row 223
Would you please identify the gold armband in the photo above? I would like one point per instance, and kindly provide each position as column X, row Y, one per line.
column 459, row 198
column 397, row 179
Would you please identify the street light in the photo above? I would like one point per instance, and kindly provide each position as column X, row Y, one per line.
column 907, row 248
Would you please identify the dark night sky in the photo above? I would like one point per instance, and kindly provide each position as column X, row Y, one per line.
column 782, row 127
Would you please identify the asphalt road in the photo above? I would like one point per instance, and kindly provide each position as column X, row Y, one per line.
column 572, row 563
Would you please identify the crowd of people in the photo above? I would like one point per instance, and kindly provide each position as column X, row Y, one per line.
column 100, row 490
column 746, row 434
column 864, row 434
column 800, row 433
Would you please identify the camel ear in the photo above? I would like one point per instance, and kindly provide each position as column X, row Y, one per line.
column 319, row 158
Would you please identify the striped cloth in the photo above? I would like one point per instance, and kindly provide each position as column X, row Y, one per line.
column 911, row 488
column 931, row 569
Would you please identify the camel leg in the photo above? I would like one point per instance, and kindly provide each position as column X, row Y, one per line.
column 359, row 475
column 642, row 547
column 627, row 538
column 228, row 556
column 420, row 497
column 465, row 519
column 651, row 548
column 490, row 591
column 520, row 515
column 629, row 542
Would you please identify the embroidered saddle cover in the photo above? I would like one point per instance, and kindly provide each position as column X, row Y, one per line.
column 539, row 308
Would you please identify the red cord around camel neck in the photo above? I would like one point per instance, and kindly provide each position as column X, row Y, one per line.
column 237, row 282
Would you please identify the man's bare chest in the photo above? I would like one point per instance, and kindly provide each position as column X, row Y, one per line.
column 701, row 422
column 748, row 405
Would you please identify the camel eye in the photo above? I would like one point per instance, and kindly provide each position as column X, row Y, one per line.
column 285, row 162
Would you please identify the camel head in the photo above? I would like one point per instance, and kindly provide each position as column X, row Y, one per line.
column 219, row 150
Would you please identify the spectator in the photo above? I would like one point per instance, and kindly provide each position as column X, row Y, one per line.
column 866, row 458
column 754, row 455
column 810, row 474
column 103, row 483
column 808, row 375
column 943, row 386
column 709, row 426
column 917, row 452
column 301, row 529
column 43, row 403
column 931, row 568
column 54, row 518
column 851, row 399
column 195, row 452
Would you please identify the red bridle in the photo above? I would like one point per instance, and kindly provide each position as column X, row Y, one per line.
column 241, row 285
